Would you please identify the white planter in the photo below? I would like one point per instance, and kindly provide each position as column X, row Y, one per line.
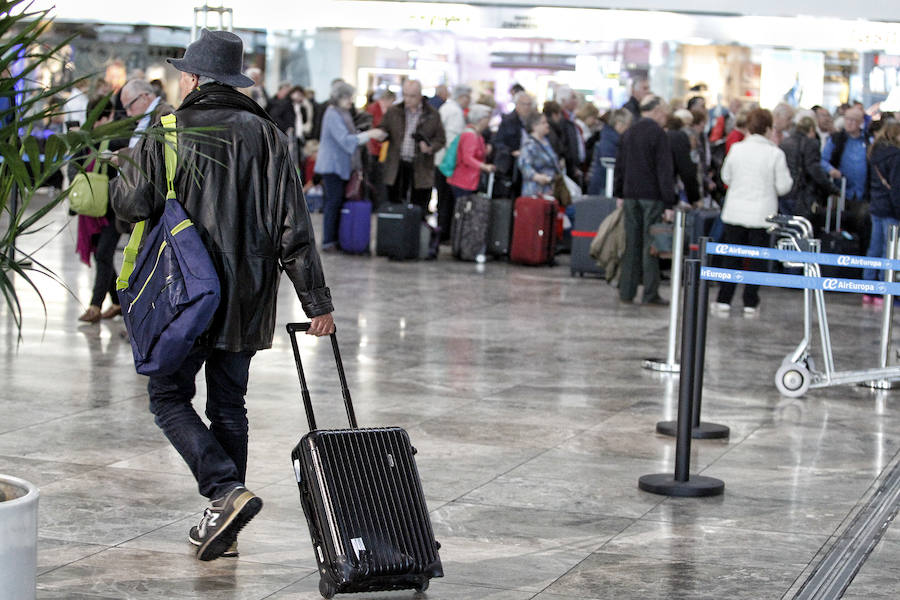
column 18, row 538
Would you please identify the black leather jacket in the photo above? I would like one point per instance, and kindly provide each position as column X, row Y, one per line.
column 240, row 188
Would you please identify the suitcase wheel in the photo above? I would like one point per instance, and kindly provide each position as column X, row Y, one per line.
column 423, row 586
column 327, row 589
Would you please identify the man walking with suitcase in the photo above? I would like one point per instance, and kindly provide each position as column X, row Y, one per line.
column 238, row 184
column 644, row 177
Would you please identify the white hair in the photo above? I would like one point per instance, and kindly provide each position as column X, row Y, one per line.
column 136, row 87
column 684, row 115
column 342, row 89
column 564, row 93
column 477, row 112
column 461, row 90
column 203, row 80
column 783, row 109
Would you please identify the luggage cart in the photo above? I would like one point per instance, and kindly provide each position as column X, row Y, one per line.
column 798, row 372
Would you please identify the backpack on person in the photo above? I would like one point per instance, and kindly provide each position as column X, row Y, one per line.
column 448, row 164
column 169, row 290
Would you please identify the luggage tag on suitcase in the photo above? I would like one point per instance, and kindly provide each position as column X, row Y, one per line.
column 363, row 500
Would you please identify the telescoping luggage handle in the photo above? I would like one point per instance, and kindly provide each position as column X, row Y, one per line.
column 292, row 329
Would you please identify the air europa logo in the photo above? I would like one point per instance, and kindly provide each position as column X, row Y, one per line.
column 843, row 261
column 830, row 284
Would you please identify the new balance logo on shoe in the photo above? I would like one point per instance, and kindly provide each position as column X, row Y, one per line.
column 216, row 534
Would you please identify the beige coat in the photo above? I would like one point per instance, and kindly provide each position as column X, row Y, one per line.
column 608, row 246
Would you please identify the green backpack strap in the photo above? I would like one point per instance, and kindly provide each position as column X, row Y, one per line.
column 137, row 234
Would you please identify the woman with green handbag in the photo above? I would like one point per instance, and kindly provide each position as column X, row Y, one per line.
column 98, row 237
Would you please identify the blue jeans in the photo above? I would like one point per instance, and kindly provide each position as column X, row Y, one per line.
column 878, row 243
column 333, row 196
column 216, row 455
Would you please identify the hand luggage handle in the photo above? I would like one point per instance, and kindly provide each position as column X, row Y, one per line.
column 292, row 329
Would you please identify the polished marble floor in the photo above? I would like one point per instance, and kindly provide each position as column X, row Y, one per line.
column 522, row 390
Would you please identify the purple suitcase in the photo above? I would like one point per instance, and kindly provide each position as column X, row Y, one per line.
column 355, row 229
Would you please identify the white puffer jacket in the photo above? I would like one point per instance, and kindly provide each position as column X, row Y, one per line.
column 756, row 173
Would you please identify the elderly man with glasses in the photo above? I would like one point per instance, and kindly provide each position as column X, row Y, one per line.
column 140, row 100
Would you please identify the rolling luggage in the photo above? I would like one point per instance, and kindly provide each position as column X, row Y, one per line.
column 839, row 241
column 469, row 231
column 500, row 227
column 471, row 224
column 534, row 226
column 589, row 213
column 398, row 231
column 363, row 501
column 355, row 229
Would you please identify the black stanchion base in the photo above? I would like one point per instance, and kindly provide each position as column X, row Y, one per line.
column 695, row 487
column 706, row 431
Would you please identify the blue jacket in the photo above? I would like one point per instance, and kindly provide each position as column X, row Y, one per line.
column 606, row 147
column 853, row 164
column 885, row 202
column 537, row 158
column 336, row 146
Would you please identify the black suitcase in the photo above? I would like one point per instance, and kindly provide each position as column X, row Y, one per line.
column 839, row 241
column 589, row 213
column 363, row 501
column 398, row 231
column 500, row 227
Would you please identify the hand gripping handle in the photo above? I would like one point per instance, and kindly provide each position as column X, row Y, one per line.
column 292, row 329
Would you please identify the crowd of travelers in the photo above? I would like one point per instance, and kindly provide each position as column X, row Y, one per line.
column 748, row 161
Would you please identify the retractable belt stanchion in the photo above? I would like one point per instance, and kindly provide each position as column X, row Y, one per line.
column 887, row 317
column 682, row 484
column 700, row 430
column 670, row 365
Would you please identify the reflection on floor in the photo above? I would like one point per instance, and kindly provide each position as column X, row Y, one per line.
column 523, row 392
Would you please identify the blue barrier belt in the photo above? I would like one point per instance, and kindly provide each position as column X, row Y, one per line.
column 829, row 284
column 821, row 258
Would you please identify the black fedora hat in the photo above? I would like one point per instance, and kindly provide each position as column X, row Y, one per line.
column 216, row 54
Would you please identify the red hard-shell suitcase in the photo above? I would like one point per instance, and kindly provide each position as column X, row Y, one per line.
column 363, row 501
column 534, row 225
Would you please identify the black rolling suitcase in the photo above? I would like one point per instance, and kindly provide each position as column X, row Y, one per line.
column 589, row 213
column 398, row 231
column 500, row 227
column 839, row 241
column 363, row 501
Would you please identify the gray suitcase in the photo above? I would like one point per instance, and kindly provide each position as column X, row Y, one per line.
column 469, row 231
column 589, row 213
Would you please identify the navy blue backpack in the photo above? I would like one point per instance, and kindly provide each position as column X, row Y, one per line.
column 169, row 291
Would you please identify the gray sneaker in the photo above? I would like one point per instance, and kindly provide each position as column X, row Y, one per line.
column 216, row 534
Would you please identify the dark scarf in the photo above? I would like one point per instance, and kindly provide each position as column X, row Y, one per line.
column 210, row 96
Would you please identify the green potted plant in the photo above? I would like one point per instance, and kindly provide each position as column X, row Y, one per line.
column 27, row 163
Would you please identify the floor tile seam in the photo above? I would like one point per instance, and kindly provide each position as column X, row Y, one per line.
column 278, row 591
column 730, row 448
column 103, row 549
column 67, row 415
column 575, row 566
column 712, row 561
column 506, row 472
column 647, row 518
column 533, row 508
